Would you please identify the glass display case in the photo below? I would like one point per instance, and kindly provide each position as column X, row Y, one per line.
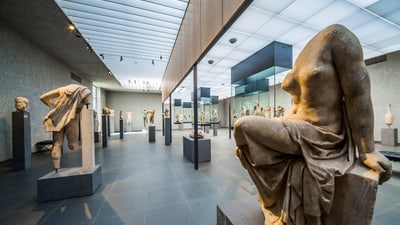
column 187, row 112
column 177, row 111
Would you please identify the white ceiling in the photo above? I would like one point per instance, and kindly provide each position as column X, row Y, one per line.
column 144, row 31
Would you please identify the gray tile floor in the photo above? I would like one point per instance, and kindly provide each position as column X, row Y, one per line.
column 151, row 184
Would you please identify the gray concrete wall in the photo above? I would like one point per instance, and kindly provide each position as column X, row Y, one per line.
column 26, row 71
column 134, row 102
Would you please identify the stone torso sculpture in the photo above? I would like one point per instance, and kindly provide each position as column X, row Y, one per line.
column 389, row 117
column 293, row 160
column 128, row 117
column 63, row 119
column 151, row 117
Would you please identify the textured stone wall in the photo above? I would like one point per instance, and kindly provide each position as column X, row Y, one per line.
column 26, row 71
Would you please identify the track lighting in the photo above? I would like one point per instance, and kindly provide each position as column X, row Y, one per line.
column 102, row 56
column 89, row 48
column 152, row 62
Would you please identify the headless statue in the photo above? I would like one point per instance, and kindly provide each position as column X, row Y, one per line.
column 63, row 119
column 294, row 159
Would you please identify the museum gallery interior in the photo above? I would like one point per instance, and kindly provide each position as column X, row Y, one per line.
column 199, row 112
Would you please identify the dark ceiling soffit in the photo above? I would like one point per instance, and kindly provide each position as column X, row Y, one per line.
column 274, row 54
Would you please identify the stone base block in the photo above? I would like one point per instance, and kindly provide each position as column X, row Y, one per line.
column 68, row 183
column 204, row 149
column 354, row 202
column 389, row 136
column 239, row 212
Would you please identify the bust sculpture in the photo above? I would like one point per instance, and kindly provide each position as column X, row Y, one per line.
column 293, row 160
column 21, row 104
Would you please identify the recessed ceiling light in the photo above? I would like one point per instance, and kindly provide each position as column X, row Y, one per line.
column 210, row 61
column 232, row 40
column 71, row 27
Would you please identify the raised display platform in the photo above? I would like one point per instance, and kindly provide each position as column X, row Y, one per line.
column 204, row 149
column 68, row 183
column 389, row 136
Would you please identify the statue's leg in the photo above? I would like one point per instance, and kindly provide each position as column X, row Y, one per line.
column 72, row 133
column 58, row 140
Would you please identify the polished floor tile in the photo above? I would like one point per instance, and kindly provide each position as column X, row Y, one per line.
column 150, row 184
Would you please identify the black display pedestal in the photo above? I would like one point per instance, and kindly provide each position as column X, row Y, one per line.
column 215, row 128
column 96, row 137
column 21, row 140
column 167, row 132
column 121, row 129
column 204, row 149
column 108, row 126
column 152, row 133
column 104, row 130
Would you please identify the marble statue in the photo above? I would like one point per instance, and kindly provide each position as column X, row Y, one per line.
column 121, row 115
column 63, row 119
column 151, row 115
column 202, row 117
column 280, row 111
column 215, row 115
column 389, row 117
column 294, row 159
column 21, row 104
column 106, row 111
column 96, row 122
column 145, row 120
column 257, row 108
column 128, row 117
column 244, row 110
column 267, row 112
column 166, row 113
column 200, row 134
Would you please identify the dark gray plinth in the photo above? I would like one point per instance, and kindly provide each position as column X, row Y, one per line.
column 152, row 133
column 215, row 128
column 167, row 132
column 239, row 212
column 21, row 140
column 96, row 137
column 121, row 129
column 389, row 136
column 104, row 130
column 68, row 183
column 204, row 149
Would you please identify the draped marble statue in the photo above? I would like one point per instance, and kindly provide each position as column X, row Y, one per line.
column 63, row 119
column 293, row 160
